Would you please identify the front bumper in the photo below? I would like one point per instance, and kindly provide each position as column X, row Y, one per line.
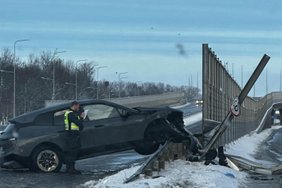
column 12, row 165
column 6, row 154
column 7, row 162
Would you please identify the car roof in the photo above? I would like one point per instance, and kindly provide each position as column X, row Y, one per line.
column 30, row 116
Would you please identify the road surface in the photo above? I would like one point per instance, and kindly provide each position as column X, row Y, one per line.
column 271, row 150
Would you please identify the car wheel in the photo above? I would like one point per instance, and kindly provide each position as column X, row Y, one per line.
column 146, row 148
column 46, row 159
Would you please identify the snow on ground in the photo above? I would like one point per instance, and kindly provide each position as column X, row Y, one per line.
column 193, row 119
column 248, row 145
column 177, row 174
column 187, row 174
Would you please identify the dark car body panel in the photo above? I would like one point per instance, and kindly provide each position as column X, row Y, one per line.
column 99, row 136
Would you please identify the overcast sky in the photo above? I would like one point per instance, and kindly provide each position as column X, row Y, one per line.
column 141, row 36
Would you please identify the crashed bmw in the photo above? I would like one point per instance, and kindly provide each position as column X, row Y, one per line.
column 36, row 140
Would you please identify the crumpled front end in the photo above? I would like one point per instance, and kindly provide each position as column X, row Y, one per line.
column 6, row 155
column 176, row 123
column 8, row 145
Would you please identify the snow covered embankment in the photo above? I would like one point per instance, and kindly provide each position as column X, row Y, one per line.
column 248, row 145
column 186, row 174
column 177, row 174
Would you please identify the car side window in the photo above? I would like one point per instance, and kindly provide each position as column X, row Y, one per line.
column 59, row 117
column 100, row 111
column 43, row 119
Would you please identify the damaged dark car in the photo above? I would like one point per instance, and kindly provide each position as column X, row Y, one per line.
column 36, row 140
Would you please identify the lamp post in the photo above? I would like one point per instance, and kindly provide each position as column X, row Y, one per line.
column 95, row 65
column 14, row 93
column 119, row 79
column 73, row 84
column 81, row 60
column 54, row 73
column 138, row 91
column 98, row 68
column 242, row 76
column 46, row 78
column 280, row 79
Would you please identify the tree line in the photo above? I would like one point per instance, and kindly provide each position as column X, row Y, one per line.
column 34, row 83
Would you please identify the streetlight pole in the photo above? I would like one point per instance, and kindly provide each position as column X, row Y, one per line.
column 233, row 70
column 138, row 91
column 110, row 90
column 280, row 79
column 197, row 80
column 242, row 75
column 54, row 73
column 119, row 79
column 95, row 65
column 98, row 68
column 14, row 93
column 81, row 60
column 73, row 84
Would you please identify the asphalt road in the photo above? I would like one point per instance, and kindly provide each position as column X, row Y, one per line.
column 191, row 109
column 92, row 169
column 270, row 150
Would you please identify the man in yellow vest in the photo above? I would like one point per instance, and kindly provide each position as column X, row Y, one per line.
column 73, row 126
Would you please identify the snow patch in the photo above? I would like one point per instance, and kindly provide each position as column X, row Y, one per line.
column 193, row 119
column 177, row 174
column 248, row 145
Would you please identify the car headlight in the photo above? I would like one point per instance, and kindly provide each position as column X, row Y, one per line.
column 12, row 139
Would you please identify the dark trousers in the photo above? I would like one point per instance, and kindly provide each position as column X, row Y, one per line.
column 73, row 146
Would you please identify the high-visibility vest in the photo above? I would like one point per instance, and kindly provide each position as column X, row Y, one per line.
column 68, row 124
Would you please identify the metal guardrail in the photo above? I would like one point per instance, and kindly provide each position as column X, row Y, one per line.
column 258, row 168
column 156, row 162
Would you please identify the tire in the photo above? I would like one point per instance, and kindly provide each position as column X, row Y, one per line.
column 46, row 159
column 146, row 148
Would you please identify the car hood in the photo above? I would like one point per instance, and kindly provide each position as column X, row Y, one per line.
column 5, row 136
column 7, row 133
